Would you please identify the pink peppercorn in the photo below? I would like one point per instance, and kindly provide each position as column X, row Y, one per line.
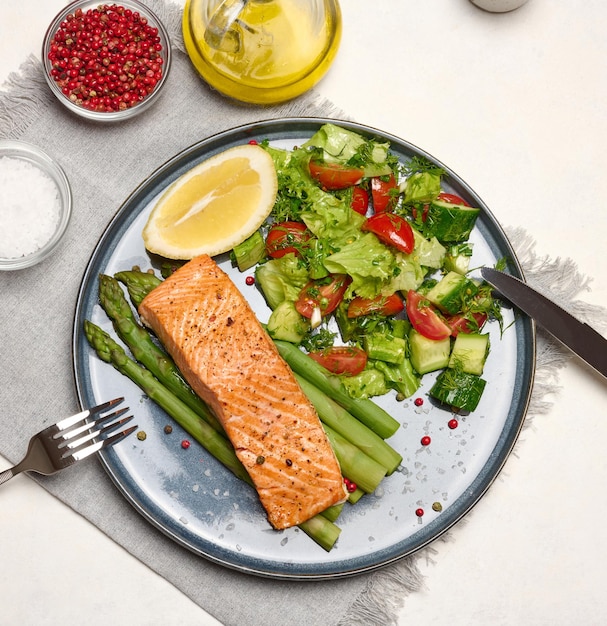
column 106, row 58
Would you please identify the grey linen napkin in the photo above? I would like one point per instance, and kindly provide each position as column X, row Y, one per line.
column 104, row 165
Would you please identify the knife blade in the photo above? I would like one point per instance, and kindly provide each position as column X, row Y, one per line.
column 578, row 336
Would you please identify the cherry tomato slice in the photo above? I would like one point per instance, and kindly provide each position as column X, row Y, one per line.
column 462, row 323
column 285, row 237
column 334, row 176
column 392, row 229
column 424, row 318
column 360, row 200
column 384, row 305
column 342, row 359
column 382, row 193
column 451, row 198
column 324, row 294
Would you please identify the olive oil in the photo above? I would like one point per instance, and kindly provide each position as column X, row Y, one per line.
column 262, row 51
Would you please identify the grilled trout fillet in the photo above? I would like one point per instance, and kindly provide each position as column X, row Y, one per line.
column 209, row 329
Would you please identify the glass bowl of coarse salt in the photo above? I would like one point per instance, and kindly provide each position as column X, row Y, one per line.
column 35, row 205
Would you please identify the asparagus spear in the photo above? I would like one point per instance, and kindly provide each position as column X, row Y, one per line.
column 319, row 528
column 138, row 284
column 333, row 512
column 323, row 531
column 366, row 411
column 145, row 351
column 335, row 416
column 356, row 495
column 354, row 463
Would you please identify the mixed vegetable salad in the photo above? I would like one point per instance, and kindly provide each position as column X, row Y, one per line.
column 364, row 264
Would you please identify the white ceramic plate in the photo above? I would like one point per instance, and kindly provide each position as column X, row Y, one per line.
column 202, row 506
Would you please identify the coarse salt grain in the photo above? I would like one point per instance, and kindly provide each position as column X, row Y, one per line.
column 29, row 207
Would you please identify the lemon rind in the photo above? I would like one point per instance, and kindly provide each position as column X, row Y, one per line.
column 260, row 161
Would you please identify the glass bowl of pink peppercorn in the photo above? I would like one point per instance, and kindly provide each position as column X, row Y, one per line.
column 106, row 62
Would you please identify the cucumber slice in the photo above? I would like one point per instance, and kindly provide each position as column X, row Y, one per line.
column 450, row 223
column 470, row 352
column 450, row 293
column 458, row 389
column 428, row 355
column 250, row 252
column 458, row 258
column 287, row 324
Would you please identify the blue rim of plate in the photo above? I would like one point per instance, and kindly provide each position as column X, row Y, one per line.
column 323, row 566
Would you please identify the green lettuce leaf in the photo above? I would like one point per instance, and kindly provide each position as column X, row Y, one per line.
column 281, row 279
column 428, row 252
column 371, row 264
column 340, row 145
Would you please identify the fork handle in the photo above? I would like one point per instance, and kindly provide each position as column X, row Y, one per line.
column 6, row 475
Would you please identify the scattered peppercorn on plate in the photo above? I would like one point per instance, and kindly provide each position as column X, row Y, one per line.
column 184, row 491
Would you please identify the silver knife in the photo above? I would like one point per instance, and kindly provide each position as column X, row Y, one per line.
column 582, row 339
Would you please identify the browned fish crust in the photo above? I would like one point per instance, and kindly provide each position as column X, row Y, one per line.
column 222, row 350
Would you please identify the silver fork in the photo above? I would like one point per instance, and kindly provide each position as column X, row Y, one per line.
column 72, row 439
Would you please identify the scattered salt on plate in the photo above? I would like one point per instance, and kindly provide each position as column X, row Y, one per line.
column 30, row 207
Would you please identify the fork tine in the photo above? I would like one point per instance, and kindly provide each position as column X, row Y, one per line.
column 68, row 422
column 73, row 447
column 78, row 455
column 78, row 429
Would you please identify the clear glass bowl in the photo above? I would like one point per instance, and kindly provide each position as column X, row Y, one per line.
column 107, row 116
column 32, row 154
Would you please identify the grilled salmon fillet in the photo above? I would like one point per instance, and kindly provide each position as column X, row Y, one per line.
column 211, row 332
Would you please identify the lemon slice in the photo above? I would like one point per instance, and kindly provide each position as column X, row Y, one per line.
column 214, row 206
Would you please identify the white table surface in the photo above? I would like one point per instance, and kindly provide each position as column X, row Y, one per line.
column 515, row 104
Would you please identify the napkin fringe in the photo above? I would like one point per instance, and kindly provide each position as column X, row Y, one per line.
column 20, row 104
column 384, row 596
column 560, row 279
